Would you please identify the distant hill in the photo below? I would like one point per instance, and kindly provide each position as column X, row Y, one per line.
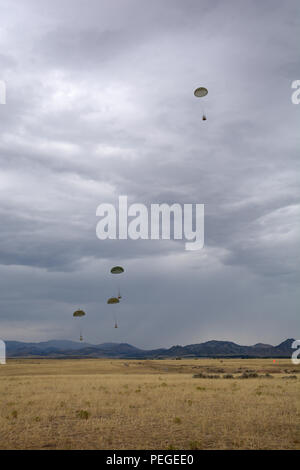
column 68, row 349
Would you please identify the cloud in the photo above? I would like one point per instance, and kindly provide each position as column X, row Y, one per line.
column 100, row 104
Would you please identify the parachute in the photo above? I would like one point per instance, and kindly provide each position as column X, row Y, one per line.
column 117, row 270
column 113, row 300
column 79, row 314
column 200, row 93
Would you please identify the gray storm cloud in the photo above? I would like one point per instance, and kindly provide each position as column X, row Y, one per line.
column 100, row 104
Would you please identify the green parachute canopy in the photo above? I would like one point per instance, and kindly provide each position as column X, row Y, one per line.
column 200, row 92
column 117, row 270
column 113, row 300
column 79, row 313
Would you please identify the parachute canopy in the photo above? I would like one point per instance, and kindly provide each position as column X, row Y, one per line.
column 117, row 270
column 200, row 92
column 79, row 313
column 113, row 300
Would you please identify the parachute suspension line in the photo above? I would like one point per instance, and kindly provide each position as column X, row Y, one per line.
column 203, row 113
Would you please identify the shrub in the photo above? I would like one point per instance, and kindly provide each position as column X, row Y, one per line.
column 248, row 375
column 199, row 376
column 83, row 414
column 205, row 376
column 195, row 445
column 177, row 420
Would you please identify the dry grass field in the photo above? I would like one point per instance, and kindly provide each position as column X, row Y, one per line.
column 149, row 404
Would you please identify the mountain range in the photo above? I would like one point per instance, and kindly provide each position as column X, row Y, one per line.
column 71, row 349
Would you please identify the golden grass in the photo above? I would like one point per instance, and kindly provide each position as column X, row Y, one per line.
column 119, row 404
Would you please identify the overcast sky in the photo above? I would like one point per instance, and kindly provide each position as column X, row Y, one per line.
column 100, row 104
